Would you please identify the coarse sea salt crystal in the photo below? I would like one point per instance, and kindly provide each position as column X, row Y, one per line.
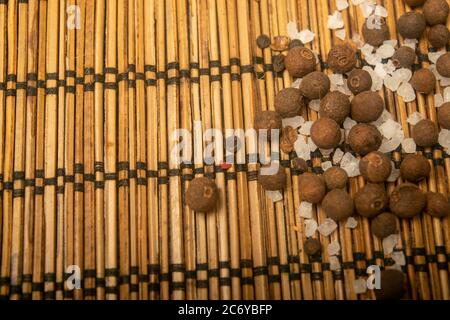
column 334, row 248
column 341, row 34
column 326, row 165
column 327, row 227
column 386, row 50
column 408, row 145
column 391, row 83
column 380, row 71
column 367, row 49
column 350, row 164
column 335, row 265
column 351, row 223
column 337, row 156
column 446, row 94
column 357, row 2
column 399, row 258
column 275, row 196
column 310, row 227
column 336, row 79
column 406, row 91
column 358, row 40
column 306, row 36
column 445, row 82
column 305, row 210
column 389, row 243
column 312, row 145
column 381, row 11
column 389, row 67
column 341, row 4
column 305, row 129
column 292, row 29
column 432, row 68
column 359, row 286
column 385, row 116
column 296, row 83
column 444, row 138
column 349, row 123
column 395, row 173
column 392, row 144
column 392, row 43
column 438, row 100
column 326, row 152
column 414, row 118
column 367, row 9
column 302, row 149
column 412, row 43
column 389, row 128
column 335, row 21
column 372, row 59
column 402, row 75
column 434, row 56
column 294, row 122
column 314, row 105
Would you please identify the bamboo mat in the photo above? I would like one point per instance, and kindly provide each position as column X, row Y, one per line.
column 86, row 116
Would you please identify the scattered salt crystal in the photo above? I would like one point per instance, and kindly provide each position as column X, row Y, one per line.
column 305, row 129
column 444, row 138
column 367, row 9
column 296, row 83
column 446, row 94
column 373, row 59
column 333, row 248
column 392, row 43
column 408, row 145
column 349, row 123
column 302, row 149
column 391, row 83
column 402, row 75
column 305, row 210
column 294, row 122
column 445, row 82
column 412, row 43
column 335, row 21
column 337, row 156
column 406, row 91
column 432, row 68
column 326, row 165
column 357, row 2
column 395, row 173
column 434, row 56
column 350, row 164
column 341, row 4
column 367, row 49
column 393, row 143
column 312, row 145
column 306, row 36
column 310, row 227
column 438, row 100
column 326, row 152
column 292, row 29
column 414, row 118
column 389, row 128
column 341, row 34
column 359, row 286
column 314, row 105
column 327, row 227
column 275, row 196
column 336, row 79
column 377, row 82
column 381, row 11
column 389, row 67
column 399, row 258
column 380, row 71
column 335, row 265
column 351, row 223
column 386, row 50
column 385, row 116
column 358, row 40
column 389, row 243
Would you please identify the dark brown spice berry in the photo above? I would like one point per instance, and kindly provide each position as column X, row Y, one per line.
column 325, row 133
column 437, row 205
column 289, row 102
column 300, row 61
column 425, row 133
column 371, row 200
column 424, row 81
column 202, row 194
column 444, row 115
column 364, row 138
column 300, row 165
column 438, row 36
column 414, row 3
column 272, row 182
column 263, row 41
column 278, row 63
column 367, row 107
column 359, row 80
column 411, row 25
column 312, row 247
column 335, row 178
column 407, row 200
column 342, row 58
column 375, row 167
column 295, row 43
column 311, row 187
column 335, row 105
column 315, row 85
column 436, row 11
column 384, row 225
column 443, row 65
column 415, row 168
column 391, row 285
column 267, row 120
column 338, row 205
column 375, row 32
column 404, row 57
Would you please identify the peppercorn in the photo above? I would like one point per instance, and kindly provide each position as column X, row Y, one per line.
column 335, row 178
column 367, row 107
column 288, row 137
column 300, row 165
column 384, row 225
column 325, row 133
column 278, row 63
column 411, row 25
column 312, row 247
column 338, row 205
column 376, row 32
column 438, row 36
column 263, row 41
column 371, row 200
column 375, row 167
column 415, row 168
column 407, row 200
column 404, row 57
column 425, row 133
column 267, row 120
column 424, row 81
column 295, row 43
column 436, row 11
column 335, row 105
column 444, row 115
column 342, row 58
column 280, row 43
column 315, row 85
column 311, row 187
column 443, row 65
column 289, row 102
column 364, row 138
column 300, row 61
column 391, row 285
column 272, row 181
column 202, row 194
column 437, row 205
column 359, row 80
column 414, row 3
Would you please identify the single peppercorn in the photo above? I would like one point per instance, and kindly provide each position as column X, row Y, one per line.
column 280, row 43
column 375, row 167
column 425, row 133
column 407, row 201
column 295, row 43
column 424, row 81
column 335, row 105
column 272, row 178
column 267, row 120
column 335, row 178
column 338, row 205
column 278, row 63
column 202, row 194
column 315, row 85
column 436, row 11
column 263, row 41
column 325, row 133
column 367, row 107
column 404, row 57
column 311, row 187
column 444, row 115
column 359, row 80
column 312, row 247
column 437, row 205
column 415, row 168
column 375, row 32
column 443, row 65
column 289, row 102
column 384, row 225
column 300, row 165
column 364, row 138
column 300, row 61
column 438, row 36
column 371, row 200
column 391, row 285
column 411, row 25
column 342, row 58
column 414, row 3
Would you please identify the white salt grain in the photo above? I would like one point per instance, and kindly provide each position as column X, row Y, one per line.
column 310, row 227
column 294, row 122
column 357, row 2
column 386, row 50
column 373, row 59
column 349, row 123
column 395, row 173
column 359, row 286
column 350, row 164
column 367, row 9
column 406, row 91
column 367, row 49
column 358, row 40
column 341, row 4
column 385, row 116
column 326, row 152
column 296, row 83
column 389, row 128
column 336, row 79
column 275, row 196
column 438, row 100
column 341, row 34
column 335, row 265
column 434, row 56
column 391, row 83
column 305, row 129
column 408, row 145
column 414, row 118
column 312, row 145
column 326, row 165
column 445, row 82
column 402, row 75
column 389, row 67
column 381, row 11
column 389, row 243
column 314, row 105
column 333, row 248
column 327, row 227
column 446, row 94
column 399, row 258
column 335, row 21
column 412, row 43
column 393, row 143
column 337, row 156
column 302, row 149
column 390, row 42
column 444, row 138
column 351, row 223
column 380, row 71
column 305, row 210
column 292, row 29
column 306, row 36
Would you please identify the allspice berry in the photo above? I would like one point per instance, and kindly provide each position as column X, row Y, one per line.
column 325, row 133
column 404, row 57
column 311, row 187
column 436, row 11
column 425, row 133
column 342, row 58
column 335, row 178
column 272, row 182
column 295, row 43
column 367, row 107
column 438, row 36
column 263, row 41
column 359, row 80
column 278, row 63
column 414, row 3
column 300, row 165
column 407, row 201
column 384, row 225
column 289, row 102
column 315, row 85
column 443, row 65
column 414, row 168
column 391, row 285
column 375, row 167
column 411, row 25
column 371, row 200
column 375, row 32
column 267, row 120
column 338, row 205
column 364, row 138
column 437, row 205
column 335, row 105
column 424, row 81
column 312, row 247
column 300, row 61
column 444, row 115
column 202, row 194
